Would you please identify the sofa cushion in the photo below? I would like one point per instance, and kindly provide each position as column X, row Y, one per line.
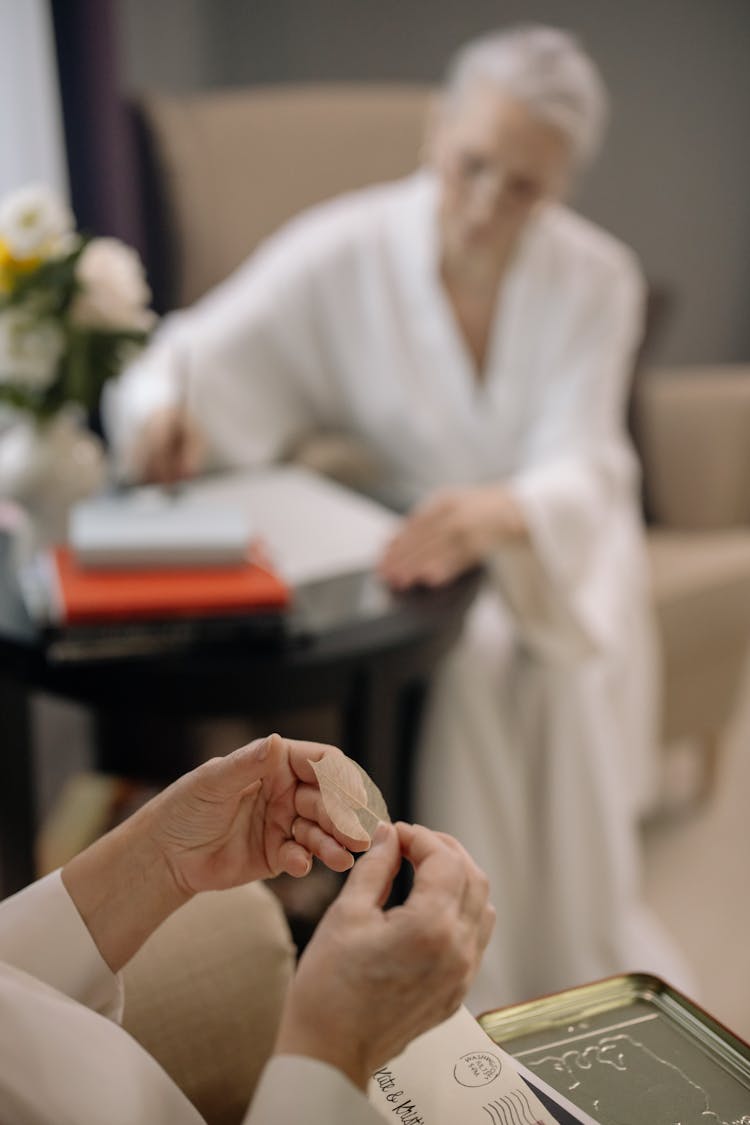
column 694, row 439
column 701, row 585
column 204, row 995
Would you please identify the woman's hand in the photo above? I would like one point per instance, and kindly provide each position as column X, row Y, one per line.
column 170, row 447
column 253, row 814
column 453, row 530
column 371, row 980
column 250, row 815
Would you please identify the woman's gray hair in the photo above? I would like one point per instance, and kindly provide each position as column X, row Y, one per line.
column 547, row 70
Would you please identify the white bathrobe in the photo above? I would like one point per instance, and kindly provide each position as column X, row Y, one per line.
column 64, row 1059
column 539, row 740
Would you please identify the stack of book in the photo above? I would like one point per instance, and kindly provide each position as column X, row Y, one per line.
column 157, row 570
column 146, row 572
column 82, row 595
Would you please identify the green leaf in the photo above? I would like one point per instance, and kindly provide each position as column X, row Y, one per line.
column 50, row 288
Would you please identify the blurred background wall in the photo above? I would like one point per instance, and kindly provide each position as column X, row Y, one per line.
column 31, row 133
column 674, row 180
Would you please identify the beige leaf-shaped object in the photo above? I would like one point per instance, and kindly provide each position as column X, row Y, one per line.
column 352, row 800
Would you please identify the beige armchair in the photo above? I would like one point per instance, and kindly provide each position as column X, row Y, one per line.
column 223, row 170
column 693, row 429
column 204, row 996
column 228, row 168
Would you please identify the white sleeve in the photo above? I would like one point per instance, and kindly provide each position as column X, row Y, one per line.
column 42, row 933
column 294, row 1088
column 578, row 468
column 247, row 359
column 57, row 1059
column 60, row 1061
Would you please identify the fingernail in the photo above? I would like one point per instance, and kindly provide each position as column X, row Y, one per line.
column 261, row 752
column 381, row 834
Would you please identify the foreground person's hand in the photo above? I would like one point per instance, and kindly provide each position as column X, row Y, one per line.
column 371, row 980
column 250, row 815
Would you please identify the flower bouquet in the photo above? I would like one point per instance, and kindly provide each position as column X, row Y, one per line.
column 72, row 309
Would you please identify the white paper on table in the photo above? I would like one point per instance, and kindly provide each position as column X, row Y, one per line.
column 313, row 527
column 456, row 1073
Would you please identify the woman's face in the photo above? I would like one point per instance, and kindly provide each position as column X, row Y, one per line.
column 495, row 163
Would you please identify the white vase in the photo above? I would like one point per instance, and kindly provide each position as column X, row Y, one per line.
column 47, row 466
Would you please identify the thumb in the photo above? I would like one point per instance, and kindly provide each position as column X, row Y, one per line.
column 234, row 772
column 370, row 881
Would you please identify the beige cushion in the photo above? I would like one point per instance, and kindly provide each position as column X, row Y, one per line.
column 694, row 437
column 204, row 995
column 235, row 165
column 701, row 583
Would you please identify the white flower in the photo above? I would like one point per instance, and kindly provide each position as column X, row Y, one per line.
column 29, row 350
column 114, row 293
column 34, row 222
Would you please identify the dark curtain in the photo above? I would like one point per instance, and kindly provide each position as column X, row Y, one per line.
column 98, row 128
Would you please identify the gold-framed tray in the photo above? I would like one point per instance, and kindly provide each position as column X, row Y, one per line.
column 630, row 1050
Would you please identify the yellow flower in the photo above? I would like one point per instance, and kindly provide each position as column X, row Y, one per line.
column 24, row 265
column 5, row 268
column 12, row 267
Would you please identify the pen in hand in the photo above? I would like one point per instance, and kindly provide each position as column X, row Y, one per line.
column 177, row 439
column 171, row 446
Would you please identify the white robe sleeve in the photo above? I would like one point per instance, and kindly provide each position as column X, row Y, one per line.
column 246, row 359
column 59, row 1060
column 577, row 481
column 293, row 1088
column 42, row 933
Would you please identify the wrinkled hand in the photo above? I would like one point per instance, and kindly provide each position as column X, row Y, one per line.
column 371, row 980
column 453, row 530
column 249, row 815
column 170, row 447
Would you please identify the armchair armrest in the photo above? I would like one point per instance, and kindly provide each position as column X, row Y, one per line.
column 204, row 995
column 694, row 437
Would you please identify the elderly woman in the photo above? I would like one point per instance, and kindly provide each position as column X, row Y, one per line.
column 477, row 337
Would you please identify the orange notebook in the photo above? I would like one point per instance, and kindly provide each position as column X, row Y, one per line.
column 87, row 596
